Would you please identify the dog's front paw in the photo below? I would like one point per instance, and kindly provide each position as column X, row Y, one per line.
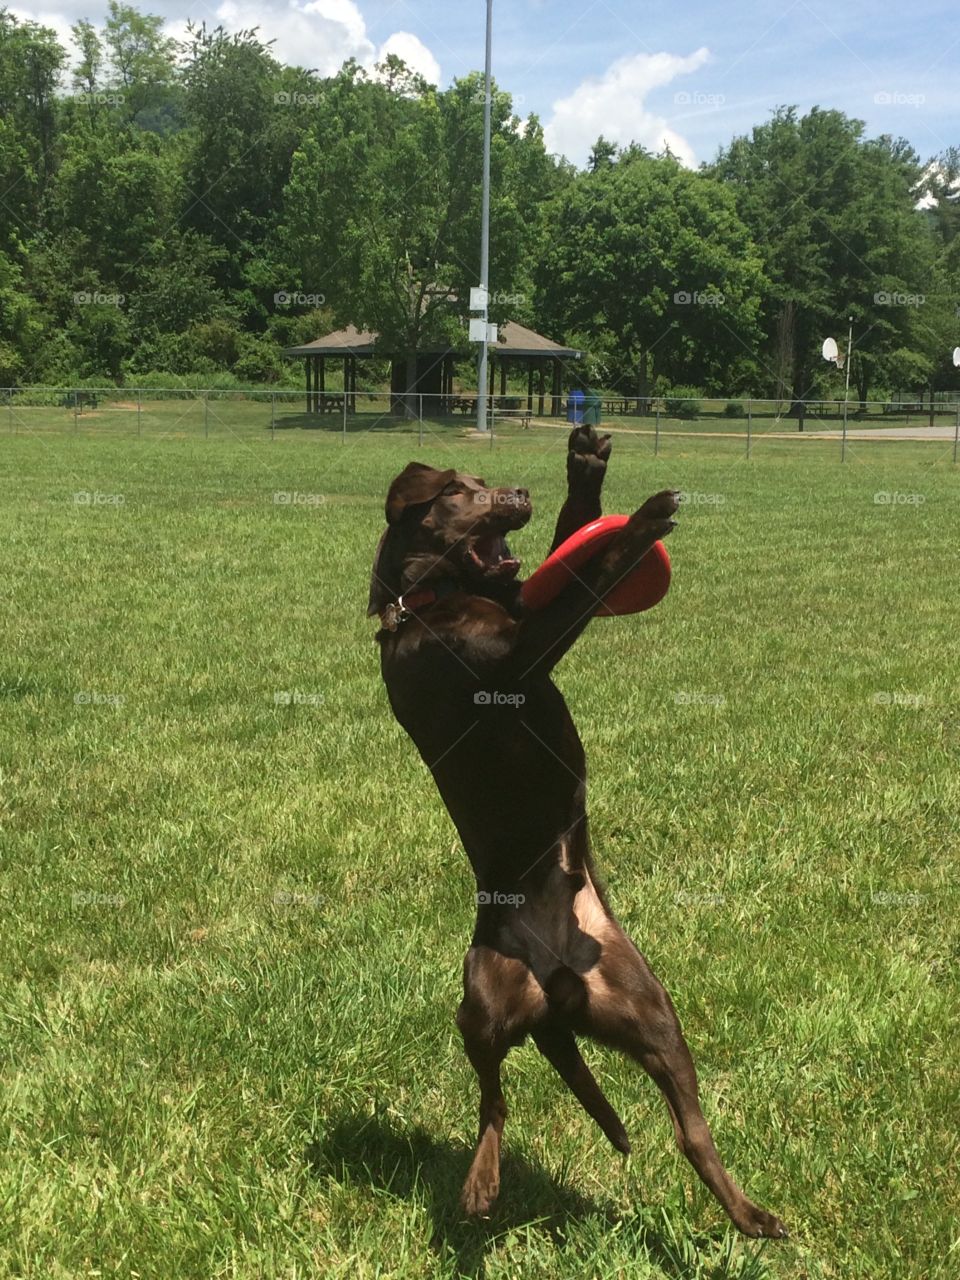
column 653, row 519
column 587, row 458
column 661, row 506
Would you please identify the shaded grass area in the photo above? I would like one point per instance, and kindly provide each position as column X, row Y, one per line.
column 234, row 908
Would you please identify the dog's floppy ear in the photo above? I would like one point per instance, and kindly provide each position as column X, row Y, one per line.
column 416, row 483
column 385, row 578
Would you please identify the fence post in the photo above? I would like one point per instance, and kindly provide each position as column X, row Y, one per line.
column 344, row 433
column 956, row 433
column 843, row 445
column 206, row 417
column 420, row 421
column 139, row 412
column 749, row 425
column 10, row 417
column 76, row 398
column 656, row 434
column 273, row 415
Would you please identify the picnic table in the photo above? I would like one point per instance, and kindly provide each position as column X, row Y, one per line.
column 79, row 400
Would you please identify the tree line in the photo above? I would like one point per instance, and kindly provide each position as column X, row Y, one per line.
column 187, row 209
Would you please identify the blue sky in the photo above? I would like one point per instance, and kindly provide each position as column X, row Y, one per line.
column 694, row 73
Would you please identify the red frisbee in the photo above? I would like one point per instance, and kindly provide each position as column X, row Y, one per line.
column 639, row 590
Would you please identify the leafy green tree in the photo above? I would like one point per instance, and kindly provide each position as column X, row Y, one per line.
column 142, row 58
column 30, row 65
column 655, row 256
column 834, row 216
column 383, row 205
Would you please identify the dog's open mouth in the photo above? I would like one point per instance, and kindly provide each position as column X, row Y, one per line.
column 491, row 555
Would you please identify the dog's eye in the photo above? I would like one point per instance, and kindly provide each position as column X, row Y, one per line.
column 452, row 488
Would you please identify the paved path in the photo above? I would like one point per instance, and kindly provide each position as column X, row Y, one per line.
column 884, row 433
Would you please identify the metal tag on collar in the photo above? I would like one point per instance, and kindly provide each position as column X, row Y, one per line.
column 394, row 614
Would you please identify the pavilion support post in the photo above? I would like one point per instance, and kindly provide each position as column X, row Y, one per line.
column 322, row 371
column 530, row 388
column 541, row 388
column 503, row 377
column 306, row 366
column 346, row 381
column 557, row 410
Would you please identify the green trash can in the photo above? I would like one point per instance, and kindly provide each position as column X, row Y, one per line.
column 592, row 405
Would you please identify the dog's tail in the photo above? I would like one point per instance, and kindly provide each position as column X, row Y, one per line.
column 559, row 1047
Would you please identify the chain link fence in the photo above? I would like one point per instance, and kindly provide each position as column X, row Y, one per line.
column 738, row 423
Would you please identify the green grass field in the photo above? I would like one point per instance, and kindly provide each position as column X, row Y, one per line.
column 234, row 908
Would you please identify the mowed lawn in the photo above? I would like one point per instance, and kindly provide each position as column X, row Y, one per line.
column 234, row 909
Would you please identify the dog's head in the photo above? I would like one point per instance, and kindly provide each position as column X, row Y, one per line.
column 445, row 525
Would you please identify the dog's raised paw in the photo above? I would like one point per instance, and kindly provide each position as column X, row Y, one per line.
column 661, row 506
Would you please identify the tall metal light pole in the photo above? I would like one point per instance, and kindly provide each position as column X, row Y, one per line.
column 485, row 226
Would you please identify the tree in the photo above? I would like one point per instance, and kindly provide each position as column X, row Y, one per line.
column 142, row 58
column 655, row 256
column 30, row 63
column 834, row 216
column 383, row 205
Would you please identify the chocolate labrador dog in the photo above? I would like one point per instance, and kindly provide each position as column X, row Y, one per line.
column 467, row 672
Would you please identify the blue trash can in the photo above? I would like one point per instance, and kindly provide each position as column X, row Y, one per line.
column 575, row 406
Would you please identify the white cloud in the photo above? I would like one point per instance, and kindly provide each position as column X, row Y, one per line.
column 58, row 21
column 414, row 53
column 323, row 34
column 613, row 105
column 307, row 33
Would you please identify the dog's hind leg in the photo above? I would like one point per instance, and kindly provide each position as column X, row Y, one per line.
column 501, row 1003
column 629, row 1009
column 559, row 1047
